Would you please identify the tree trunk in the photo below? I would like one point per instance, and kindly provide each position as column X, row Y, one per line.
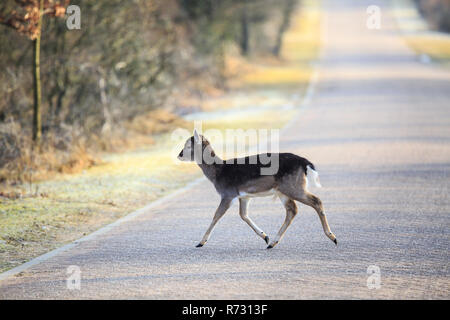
column 37, row 124
column 287, row 11
column 244, row 41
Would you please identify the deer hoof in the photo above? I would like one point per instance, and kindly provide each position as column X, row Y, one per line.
column 266, row 238
column 273, row 244
column 199, row 245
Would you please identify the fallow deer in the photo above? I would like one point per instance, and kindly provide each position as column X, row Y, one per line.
column 242, row 179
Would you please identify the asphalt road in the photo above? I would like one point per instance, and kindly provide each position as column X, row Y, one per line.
column 377, row 128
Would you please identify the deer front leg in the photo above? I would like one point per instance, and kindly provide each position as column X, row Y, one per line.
column 225, row 203
column 243, row 208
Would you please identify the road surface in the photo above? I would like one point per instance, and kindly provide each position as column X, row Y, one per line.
column 377, row 128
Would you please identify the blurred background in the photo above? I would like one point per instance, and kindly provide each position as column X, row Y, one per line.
column 436, row 13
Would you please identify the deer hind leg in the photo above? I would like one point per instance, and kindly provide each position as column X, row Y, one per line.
column 291, row 212
column 311, row 200
column 243, row 212
column 223, row 207
column 295, row 188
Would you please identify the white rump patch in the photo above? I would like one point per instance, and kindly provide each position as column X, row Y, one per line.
column 312, row 177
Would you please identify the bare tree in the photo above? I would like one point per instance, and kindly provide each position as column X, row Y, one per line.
column 25, row 16
column 288, row 6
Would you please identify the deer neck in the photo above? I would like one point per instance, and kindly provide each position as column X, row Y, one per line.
column 209, row 170
column 209, row 164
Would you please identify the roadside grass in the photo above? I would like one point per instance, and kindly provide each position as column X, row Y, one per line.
column 54, row 212
column 435, row 46
column 417, row 34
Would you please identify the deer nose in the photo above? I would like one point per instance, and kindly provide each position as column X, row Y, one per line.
column 181, row 154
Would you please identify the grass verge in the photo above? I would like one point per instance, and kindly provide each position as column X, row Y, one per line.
column 434, row 45
column 417, row 34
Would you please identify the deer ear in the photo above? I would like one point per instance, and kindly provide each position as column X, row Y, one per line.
column 197, row 137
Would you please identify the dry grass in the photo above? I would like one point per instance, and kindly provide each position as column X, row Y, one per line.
column 417, row 35
column 435, row 46
column 155, row 122
column 24, row 162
